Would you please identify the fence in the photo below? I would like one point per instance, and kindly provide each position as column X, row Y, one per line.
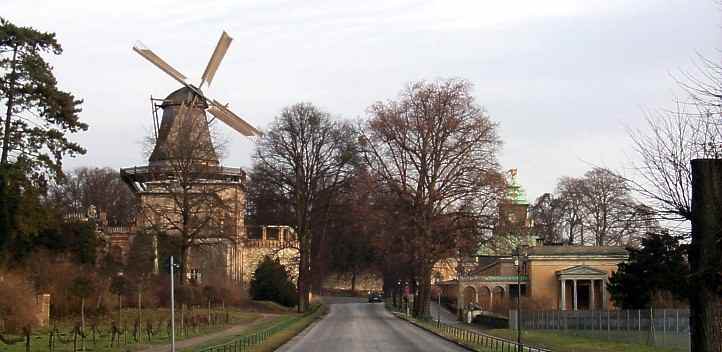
column 96, row 335
column 246, row 343
column 471, row 338
column 654, row 327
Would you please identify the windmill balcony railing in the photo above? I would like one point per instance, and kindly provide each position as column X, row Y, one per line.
column 143, row 173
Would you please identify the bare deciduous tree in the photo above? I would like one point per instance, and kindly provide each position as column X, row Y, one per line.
column 608, row 206
column 598, row 208
column 98, row 187
column 665, row 150
column 304, row 155
column 547, row 214
column 571, row 196
column 436, row 149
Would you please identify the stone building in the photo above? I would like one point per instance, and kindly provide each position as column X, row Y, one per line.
column 552, row 278
column 184, row 191
column 562, row 277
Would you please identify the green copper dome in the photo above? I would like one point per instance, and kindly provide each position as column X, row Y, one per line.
column 515, row 192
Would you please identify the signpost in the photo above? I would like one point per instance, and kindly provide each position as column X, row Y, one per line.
column 172, row 306
column 407, row 295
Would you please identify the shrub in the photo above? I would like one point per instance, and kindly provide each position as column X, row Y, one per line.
column 659, row 268
column 17, row 306
column 271, row 282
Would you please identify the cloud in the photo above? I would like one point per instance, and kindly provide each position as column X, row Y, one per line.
column 562, row 77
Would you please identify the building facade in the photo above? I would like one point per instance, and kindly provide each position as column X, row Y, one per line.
column 514, row 262
column 185, row 193
column 551, row 277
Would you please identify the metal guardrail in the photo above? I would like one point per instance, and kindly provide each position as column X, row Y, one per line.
column 473, row 338
column 667, row 328
column 147, row 173
column 165, row 169
column 246, row 343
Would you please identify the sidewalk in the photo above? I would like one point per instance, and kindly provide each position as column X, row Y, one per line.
column 447, row 316
column 197, row 340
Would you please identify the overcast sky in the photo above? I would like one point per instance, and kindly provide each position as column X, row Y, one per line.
column 564, row 79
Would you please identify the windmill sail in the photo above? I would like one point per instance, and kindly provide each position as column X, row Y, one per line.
column 189, row 102
column 223, row 43
column 232, row 120
column 160, row 63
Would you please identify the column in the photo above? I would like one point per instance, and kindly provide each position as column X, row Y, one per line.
column 574, row 291
column 563, row 301
column 591, row 295
column 604, row 294
column 459, row 300
column 491, row 298
column 263, row 233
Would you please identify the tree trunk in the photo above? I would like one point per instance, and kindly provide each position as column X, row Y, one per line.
column 82, row 321
column 421, row 303
column 302, row 278
column 316, row 262
column 353, row 282
column 183, row 265
column 5, row 218
column 140, row 308
column 7, row 131
column 82, row 313
column 704, row 255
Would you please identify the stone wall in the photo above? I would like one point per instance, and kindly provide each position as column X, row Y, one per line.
column 364, row 282
column 251, row 253
column 42, row 302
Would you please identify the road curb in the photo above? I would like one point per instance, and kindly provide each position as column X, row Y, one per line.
column 286, row 345
column 435, row 333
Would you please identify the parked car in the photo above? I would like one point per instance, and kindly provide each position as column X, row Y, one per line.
column 375, row 297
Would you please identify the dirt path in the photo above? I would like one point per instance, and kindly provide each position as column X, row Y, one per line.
column 197, row 340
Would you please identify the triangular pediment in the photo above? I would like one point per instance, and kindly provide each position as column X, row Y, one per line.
column 581, row 270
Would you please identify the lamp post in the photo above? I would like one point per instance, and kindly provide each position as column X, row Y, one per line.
column 459, row 296
column 438, row 308
column 519, row 259
column 172, row 306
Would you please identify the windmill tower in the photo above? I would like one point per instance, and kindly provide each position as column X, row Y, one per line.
column 185, row 158
column 187, row 106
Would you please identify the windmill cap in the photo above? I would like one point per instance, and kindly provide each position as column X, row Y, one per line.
column 183, row 95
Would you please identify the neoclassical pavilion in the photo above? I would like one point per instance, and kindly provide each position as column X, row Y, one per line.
column 587, row 286
column 564, row 277
column 552, row 277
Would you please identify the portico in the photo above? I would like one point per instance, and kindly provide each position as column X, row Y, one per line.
column 582, row 288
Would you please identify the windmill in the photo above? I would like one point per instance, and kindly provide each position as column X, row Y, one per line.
column 189, row 104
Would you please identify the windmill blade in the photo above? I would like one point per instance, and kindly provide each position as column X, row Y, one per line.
column 149, row 55
column 223, row 43
column 234, row 121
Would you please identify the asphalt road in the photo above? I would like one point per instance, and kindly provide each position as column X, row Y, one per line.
column 354, row 325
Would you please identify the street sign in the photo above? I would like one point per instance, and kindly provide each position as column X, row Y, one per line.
column 167, row 264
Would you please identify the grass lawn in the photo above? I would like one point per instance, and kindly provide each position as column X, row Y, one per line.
column 292, row 323
column 565, row 343
column 552, row 340
column 39, row 340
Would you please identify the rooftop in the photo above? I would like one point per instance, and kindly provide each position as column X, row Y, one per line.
column 577, row 250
